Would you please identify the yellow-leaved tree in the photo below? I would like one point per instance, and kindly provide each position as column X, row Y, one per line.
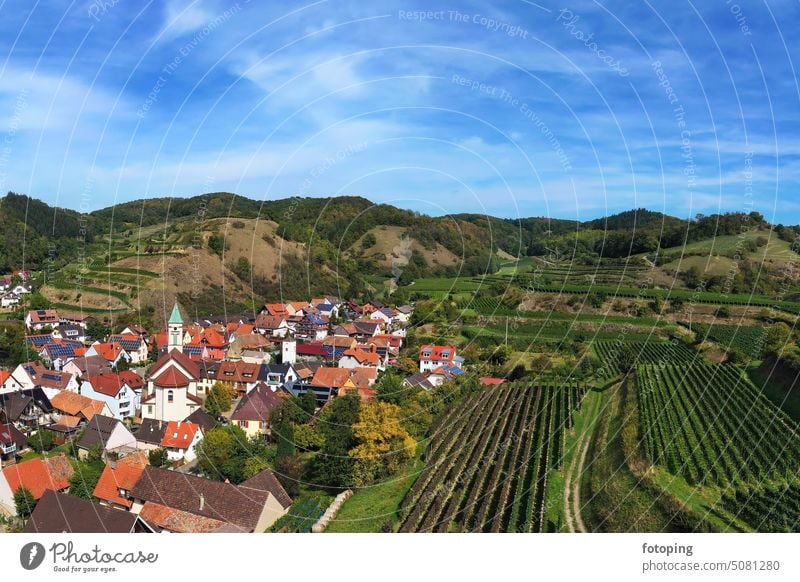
column 384, row 446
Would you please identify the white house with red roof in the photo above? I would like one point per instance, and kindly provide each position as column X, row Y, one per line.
column 361, row 358
column 181, row 439
column 432, row 356
column 114, row 390
column 172, row 380
column 40, row 318
column 134, row 345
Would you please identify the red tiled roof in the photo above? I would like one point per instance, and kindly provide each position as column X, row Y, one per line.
column 171, row 378
column 437, row 353
column 363, row 357
column 122, row 474
column 181, row 359
column 276, row 309
column 487, row 381
column 178, row 521
column 108, row 384
column 110, row 351
column 179, row 435
column 132, row 379
column 39, row 475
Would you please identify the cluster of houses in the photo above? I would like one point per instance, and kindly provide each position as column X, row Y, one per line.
column 135, row 391
column 14, row 288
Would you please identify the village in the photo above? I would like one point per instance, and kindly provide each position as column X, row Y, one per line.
column 107, row 434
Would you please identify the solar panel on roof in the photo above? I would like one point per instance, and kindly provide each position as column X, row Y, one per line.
column 51, row 377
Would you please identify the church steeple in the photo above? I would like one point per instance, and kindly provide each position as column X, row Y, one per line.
column 175, row 325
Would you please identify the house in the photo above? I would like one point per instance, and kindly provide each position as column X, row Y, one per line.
column 12, row 441
column 253, row 411
column 150, row 434
column 278, row 309
column 344, row 381
column 179, row 502
column 380, row 346
column 41, row 318
column 386, row 315
column 203, row 419
column 9, row 300
column 58, row 513
column 87, row 366
column 172, row 380
column 37, row 476
column 134, row 345
column 134, row 381
column 418, row 380
column 335, row 346
column 111, row 352
column 58, row 353
column 283, row 375
column 358, row 358
column 404, row 313
column 118, row 478
column 70, row 331
column 73, row 404
column 79, row 319
column 271, row 325
column 312, row 327
column 136, row 329
column 433, row 356
column 114, row 390
column 31, row 374
column 314, row 350
column 180, row 440
column 26, row 409
column 371, row 307
column 240, row 376
column 444, row 374
column 107, row 432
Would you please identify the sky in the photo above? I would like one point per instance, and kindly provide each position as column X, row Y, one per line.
column 570, row 110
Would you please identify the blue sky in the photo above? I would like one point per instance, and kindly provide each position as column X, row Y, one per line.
column 515, row 108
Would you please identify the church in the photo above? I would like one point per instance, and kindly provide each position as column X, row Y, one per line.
column 172, row 380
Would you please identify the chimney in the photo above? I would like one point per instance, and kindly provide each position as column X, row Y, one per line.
column 202, row 501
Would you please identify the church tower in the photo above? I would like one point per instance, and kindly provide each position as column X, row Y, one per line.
column 175, row 330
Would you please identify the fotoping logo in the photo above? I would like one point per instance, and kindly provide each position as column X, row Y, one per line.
column 31, row 555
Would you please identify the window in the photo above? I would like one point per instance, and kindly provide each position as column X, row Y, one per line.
column 170, row 396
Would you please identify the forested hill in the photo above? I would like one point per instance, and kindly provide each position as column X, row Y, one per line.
column 35, row 232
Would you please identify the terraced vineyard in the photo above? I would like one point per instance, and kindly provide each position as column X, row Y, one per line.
column 773, row 508
column 748, row 339
column 651, row 352
column 487, row 464
column 712, row 426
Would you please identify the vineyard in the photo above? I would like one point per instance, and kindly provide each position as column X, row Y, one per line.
column 487, row 464
column 768, row 509
column 747, row 339
column 651, row 352
column 710, row 425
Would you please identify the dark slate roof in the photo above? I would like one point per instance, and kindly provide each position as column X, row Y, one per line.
column 14, row 403
column 59, row 513
column 97, row 431
column 266, row 369
column 267, row 481
column 151, row 431
column 203, row 418
column 257, row 404
column 240, row 506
